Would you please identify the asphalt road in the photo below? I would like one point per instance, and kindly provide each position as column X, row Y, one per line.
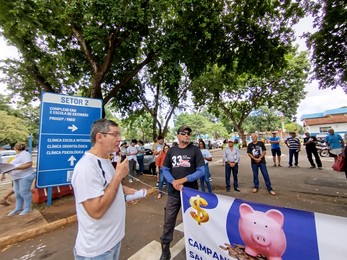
column 299, row 188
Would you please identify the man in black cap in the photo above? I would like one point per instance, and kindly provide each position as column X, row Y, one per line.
column 183, row 166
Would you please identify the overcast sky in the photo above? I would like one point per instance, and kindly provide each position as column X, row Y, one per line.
column 316, row 100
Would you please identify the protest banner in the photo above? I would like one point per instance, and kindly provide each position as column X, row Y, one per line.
column 221, row 227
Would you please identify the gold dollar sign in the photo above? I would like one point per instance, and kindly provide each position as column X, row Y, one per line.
column 201, row 216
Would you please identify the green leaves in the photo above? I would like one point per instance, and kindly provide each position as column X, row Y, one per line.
column 329, row 44
column 235, row 96
column 99, row 48
column 200, row 124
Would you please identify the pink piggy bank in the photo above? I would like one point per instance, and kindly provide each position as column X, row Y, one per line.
column 262, row 232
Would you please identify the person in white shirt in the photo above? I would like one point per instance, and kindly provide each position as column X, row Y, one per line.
column 99, row 196
column 23, row 176
column 231, row 159
column 132, row 158
column 123, row 151
column 140, row 156
column 115, row 156
column 158, row 146
column 207, row 157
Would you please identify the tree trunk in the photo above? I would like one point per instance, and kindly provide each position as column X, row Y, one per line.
column 242, row 135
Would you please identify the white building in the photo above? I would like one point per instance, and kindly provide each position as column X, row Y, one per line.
column 319, row 123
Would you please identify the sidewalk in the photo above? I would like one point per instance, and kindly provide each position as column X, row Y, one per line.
column 41, row 220
column 300, row 188
column 45, row 218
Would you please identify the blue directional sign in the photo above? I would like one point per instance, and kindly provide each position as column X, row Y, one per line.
column 64, row 136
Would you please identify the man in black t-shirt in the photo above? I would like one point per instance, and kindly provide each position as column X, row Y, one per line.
column 183, row 166
column 256, row 150
column 310, row 142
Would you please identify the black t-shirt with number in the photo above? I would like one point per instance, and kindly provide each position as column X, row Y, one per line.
column 182, row 162
column 256, row 150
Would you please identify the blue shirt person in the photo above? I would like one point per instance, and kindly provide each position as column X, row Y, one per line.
column 275, row 149
column 334, row 143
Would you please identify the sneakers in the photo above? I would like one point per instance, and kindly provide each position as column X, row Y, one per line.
column 312, row 167
column 255, row 190
column 165, row 252
column 14, row 212
column 157, row 184
column 159, row 196
column 24, row 212
column 320, row 168
column 130, row 180
column 237, row 189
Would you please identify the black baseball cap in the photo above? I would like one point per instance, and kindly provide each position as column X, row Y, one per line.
column 182, row 128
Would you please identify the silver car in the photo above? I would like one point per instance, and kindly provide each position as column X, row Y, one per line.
column 6, row 156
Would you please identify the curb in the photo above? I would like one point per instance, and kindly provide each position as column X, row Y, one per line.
column 34, row 232
column 37, row 231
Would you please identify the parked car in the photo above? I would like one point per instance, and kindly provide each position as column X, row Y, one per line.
column 148, row 162
column 7, row 155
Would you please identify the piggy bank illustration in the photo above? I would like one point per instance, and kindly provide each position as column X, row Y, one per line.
column 262, row 233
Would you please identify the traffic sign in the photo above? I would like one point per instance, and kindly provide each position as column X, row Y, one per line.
column 64, row 136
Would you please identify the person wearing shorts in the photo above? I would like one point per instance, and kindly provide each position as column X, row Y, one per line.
column 275, row 149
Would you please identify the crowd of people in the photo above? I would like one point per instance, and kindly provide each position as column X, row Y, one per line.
column 100, row 193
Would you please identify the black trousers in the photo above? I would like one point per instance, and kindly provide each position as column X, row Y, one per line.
column 309, row 153
column 172, row 208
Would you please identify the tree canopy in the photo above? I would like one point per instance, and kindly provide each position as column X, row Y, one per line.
column 200, row 125
column 99, row 47
column 263, row 119
column 235, row 96
column 17, row 124
column 329, row 44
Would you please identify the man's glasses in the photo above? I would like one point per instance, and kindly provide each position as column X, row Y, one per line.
column 185, row 133
column 111, row 133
